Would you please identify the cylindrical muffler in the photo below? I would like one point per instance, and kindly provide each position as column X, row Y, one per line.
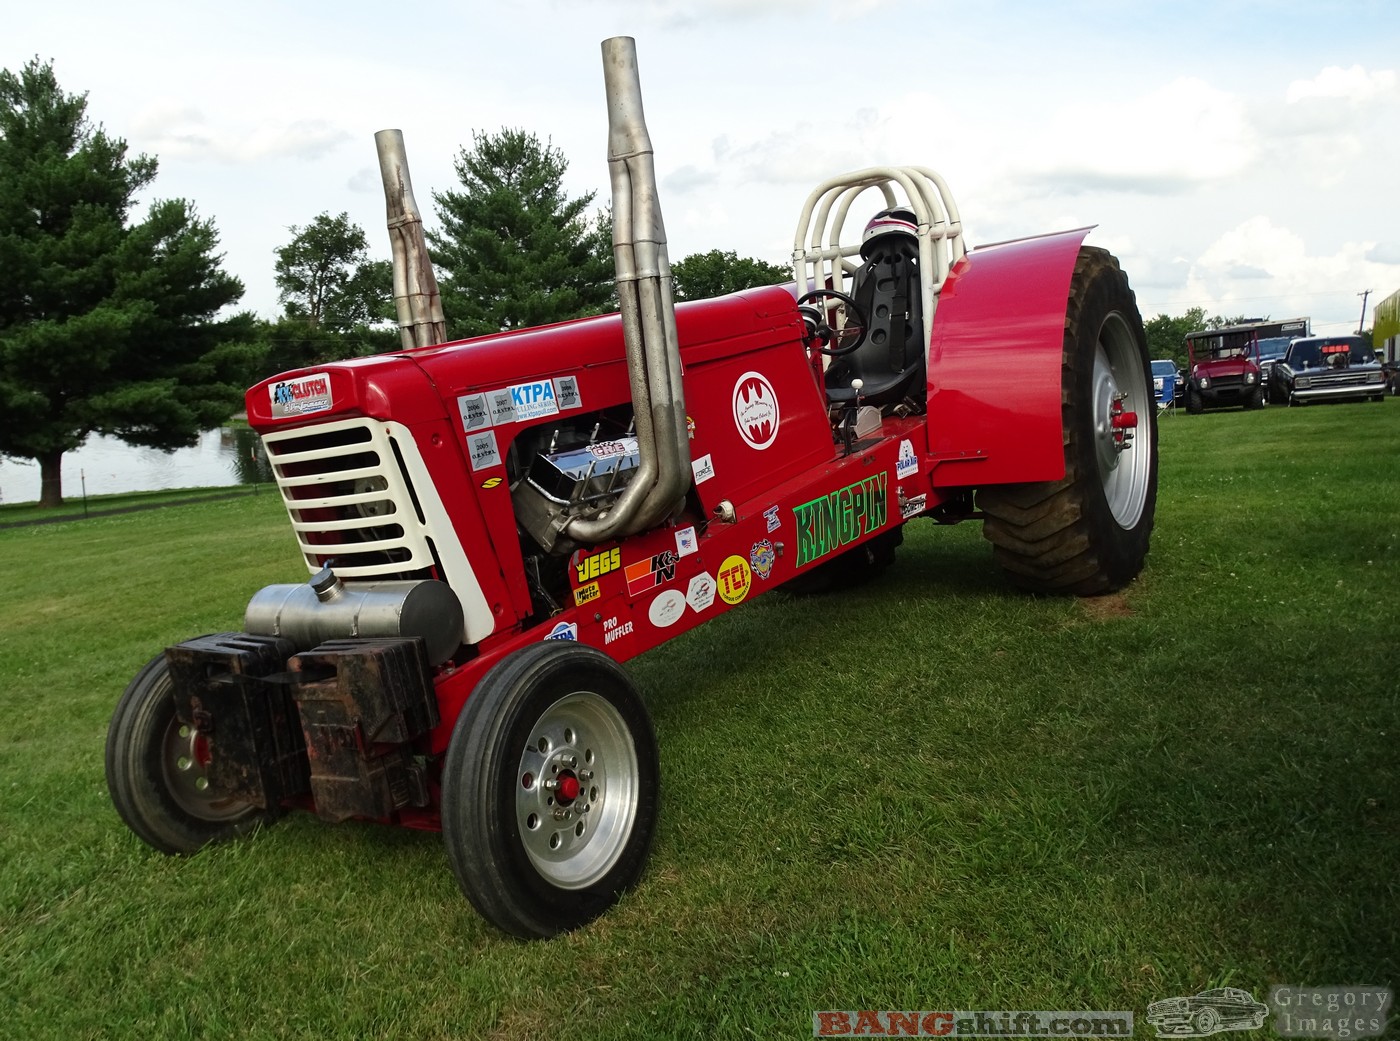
column 327, row 609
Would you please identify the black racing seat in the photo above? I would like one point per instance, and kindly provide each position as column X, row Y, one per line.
column 891, row 361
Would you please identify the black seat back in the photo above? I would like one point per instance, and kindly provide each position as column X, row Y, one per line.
column 891, row 361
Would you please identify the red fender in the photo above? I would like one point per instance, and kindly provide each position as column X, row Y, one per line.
column 994, row 363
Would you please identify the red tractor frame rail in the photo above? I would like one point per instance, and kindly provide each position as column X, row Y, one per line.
column 493, row 527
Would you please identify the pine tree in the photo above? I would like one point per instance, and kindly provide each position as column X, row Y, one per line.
column 106, row 326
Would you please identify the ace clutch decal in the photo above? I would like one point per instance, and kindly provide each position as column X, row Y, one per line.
column 756, row 410
column 300, row 397
column 652, row 572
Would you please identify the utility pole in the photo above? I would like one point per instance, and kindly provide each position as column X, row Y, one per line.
column 1360, row 328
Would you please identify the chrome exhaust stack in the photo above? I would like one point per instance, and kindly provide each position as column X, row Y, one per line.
column 416, row 299
column 644, row 289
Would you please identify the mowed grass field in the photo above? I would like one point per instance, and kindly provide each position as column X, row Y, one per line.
column 930, row 792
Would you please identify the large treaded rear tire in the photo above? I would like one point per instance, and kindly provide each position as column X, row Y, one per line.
column 1087, row 533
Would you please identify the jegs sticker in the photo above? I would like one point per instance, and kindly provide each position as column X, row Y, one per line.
column 756, row 410
column 599, row 564
column 667, row 609
column 735, row 578
column 300, row 397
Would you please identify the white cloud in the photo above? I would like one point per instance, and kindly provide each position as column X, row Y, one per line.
column 1259, row 268
column 1183, row 133
column 1352, row 84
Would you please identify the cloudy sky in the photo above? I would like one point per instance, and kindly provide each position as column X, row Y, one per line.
column 1238, row 155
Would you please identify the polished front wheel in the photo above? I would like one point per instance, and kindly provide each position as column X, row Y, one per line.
column 550, row 789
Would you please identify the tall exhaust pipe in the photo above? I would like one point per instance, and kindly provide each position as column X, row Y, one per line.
column 644, row 290
column 416, row 298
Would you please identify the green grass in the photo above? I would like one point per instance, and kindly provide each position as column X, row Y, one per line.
column 929, row 792
column 75, row 508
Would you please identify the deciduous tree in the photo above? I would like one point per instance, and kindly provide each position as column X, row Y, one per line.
column 703, row 275
column 326, row 279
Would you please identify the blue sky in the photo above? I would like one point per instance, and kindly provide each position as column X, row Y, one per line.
column 1238, row 156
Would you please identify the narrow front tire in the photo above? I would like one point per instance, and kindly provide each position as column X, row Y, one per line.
column 156, row 772
column 550, row 789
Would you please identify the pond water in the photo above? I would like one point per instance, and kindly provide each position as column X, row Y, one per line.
column 104, row 465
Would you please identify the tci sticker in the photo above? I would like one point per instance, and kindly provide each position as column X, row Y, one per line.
column 300, row 396
column 735, row 577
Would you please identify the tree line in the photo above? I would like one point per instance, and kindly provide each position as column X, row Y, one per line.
column 115, row 325
column 125, row 326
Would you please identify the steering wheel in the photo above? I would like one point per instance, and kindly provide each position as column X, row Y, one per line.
column 852, row 332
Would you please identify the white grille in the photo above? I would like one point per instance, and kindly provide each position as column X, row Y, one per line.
column 349, row 499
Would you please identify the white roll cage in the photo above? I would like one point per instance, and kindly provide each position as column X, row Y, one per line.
column 822, row 250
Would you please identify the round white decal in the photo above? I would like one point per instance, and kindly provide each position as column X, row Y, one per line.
column 667, row 608
column 756, row 410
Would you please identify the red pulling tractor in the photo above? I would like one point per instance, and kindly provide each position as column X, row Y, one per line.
column 492, row 526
